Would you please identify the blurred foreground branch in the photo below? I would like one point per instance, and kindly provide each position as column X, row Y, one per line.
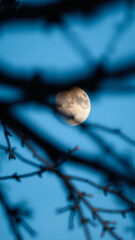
column 99, row 79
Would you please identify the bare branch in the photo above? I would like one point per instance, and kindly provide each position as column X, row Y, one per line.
column 115, row 131
column 18, row 178
column 105, row 189
column 123, row 212
column 15, row 217
column 7, row 134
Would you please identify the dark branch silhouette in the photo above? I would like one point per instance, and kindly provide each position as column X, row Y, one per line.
column 16, row 215
column 100, row 79
column 53, row 12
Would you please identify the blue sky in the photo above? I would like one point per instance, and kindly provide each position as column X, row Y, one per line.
column 27, row 47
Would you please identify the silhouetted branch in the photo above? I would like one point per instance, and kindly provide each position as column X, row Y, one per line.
column 26, row 175
column 84, row 221
column 75, row 192
column 38, row 90
column 107, row 189
column 32, row 149
column 100, row 78
column 7, row 134
column 96, row 215
column 56, row 153
column 21, row 158
column 96, row 164
column 122, row 212
column 53, row 13
column 70, row 187
column 15, row 216
column 115, row 131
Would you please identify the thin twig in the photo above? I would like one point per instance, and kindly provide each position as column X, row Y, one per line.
column 32, row 149
column 105, row 189
column 84, row 222
column 18, row 178
column 95, row 213
column 73, row 191
column 21, row 158
column 121, row 211
column 7, row 134
column 9, row 217
column 115, row 131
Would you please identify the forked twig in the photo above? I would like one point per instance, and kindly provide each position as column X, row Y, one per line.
column 7, row 134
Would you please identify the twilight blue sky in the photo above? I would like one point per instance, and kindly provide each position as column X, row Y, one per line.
column 28, row 47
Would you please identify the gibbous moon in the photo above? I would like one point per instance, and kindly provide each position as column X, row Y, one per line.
column 73, row 105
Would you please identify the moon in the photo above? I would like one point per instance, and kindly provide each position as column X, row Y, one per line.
column 73, row 105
